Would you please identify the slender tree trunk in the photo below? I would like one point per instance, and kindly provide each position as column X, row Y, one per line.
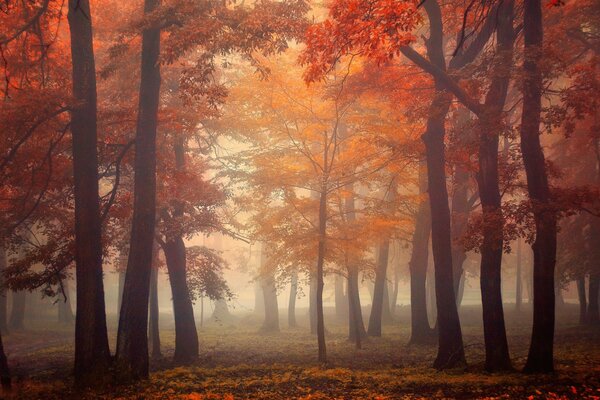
column 186, row 336
column 132, row 338
column 496, row 345
column 421, row 332
column 320, row 273
column 378, row 291
column 341, row 303
column 5, row 380
column 92, row 354
column 396, row 287
column 541, row 356
column 582, row 300
column 312, row 302
column 65, row 312
column 3, row 294
column 153, row 326
column 292, row 301
column 271, row 322
column 519, row 278
column 17, row 313
column 593, row 316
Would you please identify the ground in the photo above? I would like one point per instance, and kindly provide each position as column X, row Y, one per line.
column 238, row 362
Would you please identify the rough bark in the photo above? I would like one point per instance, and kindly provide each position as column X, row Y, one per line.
column 132, row 338
column 541, row 356
column 153, row 323
column 186, row 336
column 292, row 300
column 92, row 354
column 421, row 332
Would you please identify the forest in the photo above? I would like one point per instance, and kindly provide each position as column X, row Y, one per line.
column 293, row 199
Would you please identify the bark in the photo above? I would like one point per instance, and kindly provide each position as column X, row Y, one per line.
column 186, row 336
column 490, row 123
column 17, row 312
column 450, row 345
column 132, row 337
column 540, row 357
column 153, row 325
column 375, row 319
column 582, row 300
column 312, row 303
column 92, row 354
column 320, row 265
column 593, row 316
column 65, row 312
column 341, row 303
column 292, row 301
column 519, row 279
column 5, row 380
column 421, row 332
column 271, row 322
column 3, row 294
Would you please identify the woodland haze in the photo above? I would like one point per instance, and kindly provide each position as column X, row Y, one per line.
column 273, row 199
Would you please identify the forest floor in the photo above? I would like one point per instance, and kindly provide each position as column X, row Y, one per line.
column 237, row 362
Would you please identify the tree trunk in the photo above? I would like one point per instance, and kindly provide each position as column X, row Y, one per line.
column 540, row 357
column 341, row 303
column 518, row 278
column 221, row 312
column 593, row 316
column 65, row 312
column 153, row 326
column 5, row 380
column 271, row 322
column 582, row 300
column 312, row 302
column 421, row 332
column 17, row 313
column 378, row 291
column 92, row 354
column 3, row 294
column 490, row 124
column 186, row 336
column 320, row 265
column 259, row 301
column 292, row 300
column 132, row 338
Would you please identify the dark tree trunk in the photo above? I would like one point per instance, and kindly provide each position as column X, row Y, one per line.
column 92, row 354
column 540, row 357
column 5, row 380
column 378, row 291
column 341, row 303
column 312, row 302
column 593, row 316
column 17, row 312
column 320, row 264
column 271, row 322
column 450, row 345
column 292, row 300
column 582, row 300
column 421, row 332
column 490, row 124
column 65, row 312
column 186, row 336
column 153, row 325
column 3, row 294
column 132, row 338
column 518, row 278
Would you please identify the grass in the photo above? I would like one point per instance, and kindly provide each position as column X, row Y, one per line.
column 238, row 362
